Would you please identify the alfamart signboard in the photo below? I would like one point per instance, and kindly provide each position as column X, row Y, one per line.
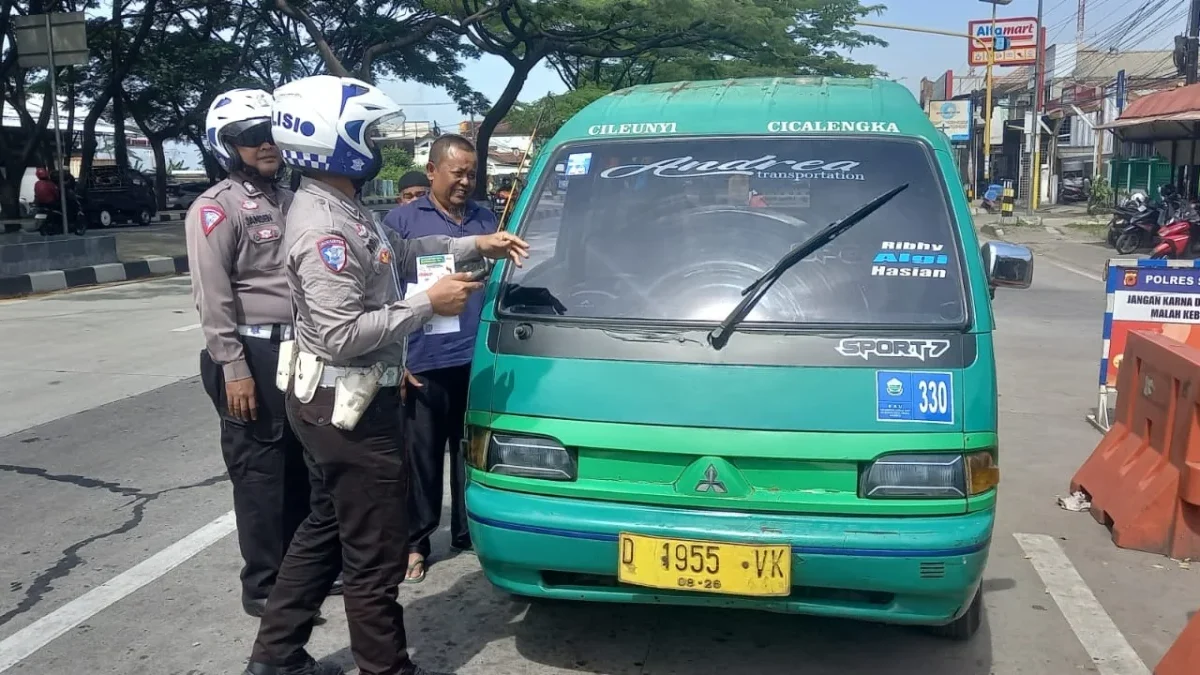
column 1019, row 41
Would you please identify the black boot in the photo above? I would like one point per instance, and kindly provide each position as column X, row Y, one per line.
column 309, row 667
column 336, row 588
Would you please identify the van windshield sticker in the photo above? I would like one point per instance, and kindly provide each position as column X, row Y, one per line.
column 689, row 167
column 911, row 259
column 631, row 129
column 810, row 126
column 579, row 163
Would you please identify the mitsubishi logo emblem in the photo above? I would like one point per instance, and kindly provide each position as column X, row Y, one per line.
column 710, row 482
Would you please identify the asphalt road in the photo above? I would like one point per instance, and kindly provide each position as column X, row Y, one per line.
column 110, row 459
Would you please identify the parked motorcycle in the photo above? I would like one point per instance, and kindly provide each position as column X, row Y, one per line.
column 1177, row 239
column 1139, row 223
column 49, row 221
column 1075, row 190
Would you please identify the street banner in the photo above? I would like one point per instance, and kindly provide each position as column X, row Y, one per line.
column 1018, row 48
column 1160, row 296
column 952, row 118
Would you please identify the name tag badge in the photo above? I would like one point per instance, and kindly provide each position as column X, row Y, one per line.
column 262, row 235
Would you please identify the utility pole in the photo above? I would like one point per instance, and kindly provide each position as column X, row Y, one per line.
column 1035, row 169
column 1190, row 69
column 987, row 107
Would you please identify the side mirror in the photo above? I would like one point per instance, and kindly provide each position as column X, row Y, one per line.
column 1007, row 265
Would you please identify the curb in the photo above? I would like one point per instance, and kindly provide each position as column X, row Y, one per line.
column 992, row 231
column 57, row 280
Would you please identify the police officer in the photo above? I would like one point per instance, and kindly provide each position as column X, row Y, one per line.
column 235, row 251
column 344, row 402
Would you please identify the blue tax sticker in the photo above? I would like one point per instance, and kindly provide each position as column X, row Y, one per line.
column 914, row 396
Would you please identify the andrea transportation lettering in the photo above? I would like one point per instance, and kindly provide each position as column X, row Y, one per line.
column 688, row 166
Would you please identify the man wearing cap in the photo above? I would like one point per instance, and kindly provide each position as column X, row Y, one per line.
column 413, row 185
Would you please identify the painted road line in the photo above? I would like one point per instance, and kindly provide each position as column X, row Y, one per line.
column 184, row 329
column 30, row 639
column 1109, row 649
column 1071, row 268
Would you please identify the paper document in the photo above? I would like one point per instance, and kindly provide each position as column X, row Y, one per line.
column 430, row 268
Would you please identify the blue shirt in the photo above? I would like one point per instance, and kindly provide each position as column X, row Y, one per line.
column 421, row 218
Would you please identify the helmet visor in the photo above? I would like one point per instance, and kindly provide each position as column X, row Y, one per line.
column 249, row 134
column 380, row 128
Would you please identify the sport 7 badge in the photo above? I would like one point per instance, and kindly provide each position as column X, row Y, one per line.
column 333, row 253
column 210, row 217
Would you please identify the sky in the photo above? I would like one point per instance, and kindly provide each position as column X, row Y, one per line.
column 908, row 57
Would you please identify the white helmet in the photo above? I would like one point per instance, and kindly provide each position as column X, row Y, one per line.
column 328, row 123
column 231, row 116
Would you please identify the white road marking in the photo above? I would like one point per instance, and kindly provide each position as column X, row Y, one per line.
column 1071, row 268
column 30, row 639
column 1104, row 642
column 184, row 329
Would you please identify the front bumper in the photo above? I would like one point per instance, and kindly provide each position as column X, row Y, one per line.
column 910, row 570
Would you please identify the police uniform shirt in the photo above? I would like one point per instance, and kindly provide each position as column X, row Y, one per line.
column 343, row 271
column 236, row 255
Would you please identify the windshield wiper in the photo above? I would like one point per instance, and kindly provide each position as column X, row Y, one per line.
column 719, row 336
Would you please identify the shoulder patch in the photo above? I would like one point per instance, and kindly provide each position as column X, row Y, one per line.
column 333, row 252
column 210, row 217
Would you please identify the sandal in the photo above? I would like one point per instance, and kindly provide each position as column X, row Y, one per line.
column 409, row 578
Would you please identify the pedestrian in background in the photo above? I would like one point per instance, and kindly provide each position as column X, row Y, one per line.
column 413, row 185
column 234, row 234
column 344, row 400
column 438, row 367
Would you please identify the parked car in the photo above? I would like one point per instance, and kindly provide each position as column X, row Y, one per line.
column 181, row 195
column 113, row 194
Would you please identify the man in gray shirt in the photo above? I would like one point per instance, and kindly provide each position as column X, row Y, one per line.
column 351, row 321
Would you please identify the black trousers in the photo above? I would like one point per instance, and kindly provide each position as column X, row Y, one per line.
column 436, row 414
column 266, row 466
column 360, row 481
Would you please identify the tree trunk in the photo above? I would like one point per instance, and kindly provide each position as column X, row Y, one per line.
column 89, row 132
column 210, row 166
column 160, row 168
column 17, row 159
column 493, row 118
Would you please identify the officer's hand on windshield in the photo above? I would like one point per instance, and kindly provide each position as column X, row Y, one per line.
column 503, row 245
column 409, row 380
column 239, row 394
column 449, row 294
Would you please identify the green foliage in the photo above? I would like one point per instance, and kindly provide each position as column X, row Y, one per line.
column 396, row 163
column 1101, row 198
column 553, row 111
column 742, row 38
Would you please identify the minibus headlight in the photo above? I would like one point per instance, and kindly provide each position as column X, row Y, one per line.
column 915, row 475
column 530, row 457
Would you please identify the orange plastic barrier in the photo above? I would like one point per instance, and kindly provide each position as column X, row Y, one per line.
column 1183, row 658
column 1144, row 476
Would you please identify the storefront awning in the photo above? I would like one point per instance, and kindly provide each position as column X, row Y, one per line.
column 1162, row 116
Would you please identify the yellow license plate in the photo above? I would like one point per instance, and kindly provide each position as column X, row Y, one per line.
column 705, row 566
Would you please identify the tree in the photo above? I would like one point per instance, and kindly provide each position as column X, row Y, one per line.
column 796, row 38
column 18, row 150
column 403, row 39
column 553, row 111
column 396, row 163
column 524, row 33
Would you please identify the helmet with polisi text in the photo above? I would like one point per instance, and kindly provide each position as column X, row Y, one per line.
column 330, row 124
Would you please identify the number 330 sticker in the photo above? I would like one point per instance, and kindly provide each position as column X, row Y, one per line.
column 914, row 396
